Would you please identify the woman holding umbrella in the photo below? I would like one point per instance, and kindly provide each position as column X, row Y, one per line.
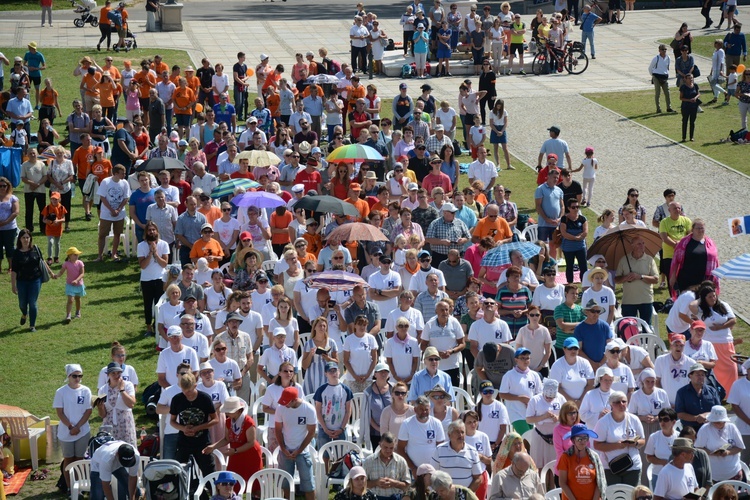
column 259, row 230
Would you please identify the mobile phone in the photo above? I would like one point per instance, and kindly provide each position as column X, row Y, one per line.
column 331, row 303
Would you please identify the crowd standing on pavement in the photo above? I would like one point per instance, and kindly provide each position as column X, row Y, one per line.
column 237, row 321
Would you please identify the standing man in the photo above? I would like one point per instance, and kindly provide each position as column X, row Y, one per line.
column 403, row 108
column 735, row 45
column 295, row 429
column 483, row 170
column 239, row 73
column 554, row 145
column 225, row 112
column 34, row 62
column 420, row 435
column 166, row 89
column 358, row 34
column 457, row 272
column 205, row 74
column 695, row 400
column 157, row 114
column 677, row 478
column 360, row 306
column 637, row 273
column 446, row 233
column 549, row 205
column 588, row 21
column 387, row 472
column 672, row 229
column 193, row 413
column 124, row 149
column 444, row 332
column 20, row 111
column 659, row 70
column 188, row 228
column 672, row 368
column 385, row 286
column 493, row 225
column 114, row 193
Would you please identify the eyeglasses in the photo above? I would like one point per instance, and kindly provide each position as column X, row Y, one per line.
column 403, row 326
column 490, row 304
column 120, row 355
column 634, row 195
column 615, row 351
column 399, row 393
column 534, row 315
column 224, row 484
column 295, row 156
column 3, row 186
column 572, row 348
column 77, row 376
column 338, row 258
column 220, row 349
column 246, row 240
column 433, row 359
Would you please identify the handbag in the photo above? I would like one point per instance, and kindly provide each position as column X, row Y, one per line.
column 620, row 464
column 43, row 269
column 675, row 44
column 696, row 71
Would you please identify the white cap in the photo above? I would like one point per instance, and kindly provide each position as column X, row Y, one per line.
column 412, row 186
column 298, row 188
column 279, row 331
column 263, row 57
column 449, row 207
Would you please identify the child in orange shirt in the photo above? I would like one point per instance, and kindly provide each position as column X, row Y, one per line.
column 313, row 238
column 54, row 217
column 102, row 167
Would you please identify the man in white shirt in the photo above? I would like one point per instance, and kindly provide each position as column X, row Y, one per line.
column 458, row 459
column 418, row 283
column 672, row 369
column 202, row 179
column 162, row 408
column 295, row 428
column 419, row 436
column 358, row 34
column 114, row 193
column 176, row 353
column 405, row 310
column 190, row 338
column 247, row 135
column 252, row 322
column 677, row 478
column 118, row 460
column 385, row 285
column 444, row 332
column 488, row 329
column 483, row 170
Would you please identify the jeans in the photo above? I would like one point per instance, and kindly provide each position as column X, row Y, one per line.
column 28, row 294
column 322, row 438
column 303, row 464
column 716, row 87
column 689, row 115
column 170, row 446
column 184, row 255
column 570, row 257
column 41, row 200
column 97, row 491
column 659, row 86
column 588, row 35
column 544, row 233
column 7, row 243
column 239, row 97
column 168, row 119
column 642, row 311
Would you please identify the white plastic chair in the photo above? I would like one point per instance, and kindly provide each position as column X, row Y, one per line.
column 268, row 456
column 124, row 237
column 619, row 492
column 80, row 478
column 257, row 411
column 224, row 268
column 144, row 462
column 335, row 449
column 739, row 486
column 548, row 467
column 353, row 423
column 272, row 482
column 268, row 265
column 651, row 343
column 643, row 327
column 650, row 474
column 530, row 233
column 555, row 494
column 220, row 460
column 209, row 480
column 462, row 399
column 20, row 429
column 309, row 399
column 746, row 470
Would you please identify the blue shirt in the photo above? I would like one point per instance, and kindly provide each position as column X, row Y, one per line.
column 313, row 106
column 19, row 107
column 118, row 155
column 735, row 44
column 688, row 401
column 224, row 115
column 35, row 60
column 588, row 19
column 594, row 338
column 423, row 382
column 551, row 197
column 141, row 201
column 421, row 40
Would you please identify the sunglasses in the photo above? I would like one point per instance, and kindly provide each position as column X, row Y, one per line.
column 615, row 351
column 224, row 484
column 488, row 392
column 3, row 186
column 433, row 359
column 220, row 349
column 437, row 396
column 77, row 376
column 634, row 195
column 534, row 315
column 299, row 246
column 399, row 393
column 572, row 348
column 665, row 419
column 403, row 326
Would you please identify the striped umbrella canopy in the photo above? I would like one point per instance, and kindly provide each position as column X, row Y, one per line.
column 736, row 269
column 227, row 187
column 354, row 153
column 500, row 256
column 49, row 153
column 335, row 281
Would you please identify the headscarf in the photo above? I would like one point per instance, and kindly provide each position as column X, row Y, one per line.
column 646, row 373
column 504, row 451
column 601, row 480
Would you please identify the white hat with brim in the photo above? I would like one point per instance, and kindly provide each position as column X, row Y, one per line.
column 232, row 404
column 718, row 414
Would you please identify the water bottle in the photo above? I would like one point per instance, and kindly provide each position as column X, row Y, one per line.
column 143, row 434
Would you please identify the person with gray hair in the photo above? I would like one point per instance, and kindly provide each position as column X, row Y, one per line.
column 619, row 433
column 420, row 435
column 458, row 459
column 442, row 484
column 518, row 480
column 426, row 302
column 387, row 472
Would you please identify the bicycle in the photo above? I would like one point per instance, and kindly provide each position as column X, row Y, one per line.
column 573, row 59
column 602, row 9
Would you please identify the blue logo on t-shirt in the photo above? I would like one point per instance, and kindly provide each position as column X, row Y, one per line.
column 495, row 414
column 301, row 420
column 214, row 397
column 80, row 400
column 430, row 434
column 186, row 361
column 480, row 448
column 407, row 349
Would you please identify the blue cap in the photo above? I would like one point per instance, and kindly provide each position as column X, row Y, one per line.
column 571, row 342
column 225, row 477
column 521, row 350
column 580, row 430
column 316, row 149
column 423, row 253
column 331, row 366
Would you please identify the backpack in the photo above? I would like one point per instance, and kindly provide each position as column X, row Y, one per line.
column 627, row 327
column 115, row 17
column 335, row 67
column 149, row 446
column 338, row 469
column 405, row 71
column 150, row 398
column 97, row 442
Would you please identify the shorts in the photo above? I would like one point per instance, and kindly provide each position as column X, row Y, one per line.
column 115, row 225
column 75, row 291
column 122, row 32
column 730, row 92
column 498, row 139
column 731, row 8
column 81, row 183
column 183, row 120
column 77, row 448
column 443, row 52
column 516, row 48
column 144, row 104
column 36, row 80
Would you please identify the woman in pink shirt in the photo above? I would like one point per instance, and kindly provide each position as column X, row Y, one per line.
column 568, row 418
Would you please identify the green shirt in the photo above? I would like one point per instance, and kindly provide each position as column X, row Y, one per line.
column 675, row 229
column 568, row 315
column 517, row 38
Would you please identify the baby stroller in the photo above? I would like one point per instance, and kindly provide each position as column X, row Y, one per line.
column 130, row 42
column 169, row 480
column 84, row 8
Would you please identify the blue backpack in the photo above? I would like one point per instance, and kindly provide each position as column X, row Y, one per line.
column 405, row 71
column 116, row 17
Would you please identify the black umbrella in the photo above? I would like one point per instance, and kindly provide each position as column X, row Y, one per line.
column 159, row 164
column 327, row 204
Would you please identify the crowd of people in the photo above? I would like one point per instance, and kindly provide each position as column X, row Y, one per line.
column 226, row 296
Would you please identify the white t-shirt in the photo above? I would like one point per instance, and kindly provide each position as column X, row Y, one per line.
column 539, row 405
column 480, row 442
column 673, row 374
column 493, row 416
column 484, row 172
column 271, row 399
column 402, row 354
column 527, row 276
column 637, row 355
column 74, row 404
column 610, row 431
column 711, row 439
column 228, row 371
column 153, row 270
column 674, row 483
column 294, row 422
column 648, row 404
column 252, row 324
column 165, row 398
column 594, row 401
column 225, row 230
column 168, row 316
column 704, row 352
column 416, row 321
column 216, row 300
column 604, row 297
column 572, row 378
column 169, row 359
column 105, row 461
column 548, row 298
column 723, row 336
column 496, row 332
column 418, row 283
column 446, row 118
column 272, row 358
column 115, row 192
column 292, row 327
column 624, row 378
column 421, row 438
column 218, row 392
column 660, row 445
column 360, row 353
column 444, row 338
column 739, row 395
column 199, row 343
column 520, row 384
column 128, row 375
column 388, row 281
column 589, row 167
column 681, row 305
column 260, row 300
column 308, row 296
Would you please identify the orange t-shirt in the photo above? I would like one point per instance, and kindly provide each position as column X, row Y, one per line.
column 240, row 175
column 204, row 249
column 124, row 14
column 306, row 93
column 194, row 83
column 101, row 169
column 82, row 160
column 353, row 94
column 106, row 94
column 160, row 68
column 103, row 18
column 481, row 198
column 90, row 84
column 281, row 222
column 51, row 229
column 48, row 97
column 273, row 102
column 314, row 243
column 308, row 257
column 378, row 207
column 498, row 229
column 146, row 82
column 581, row 475
column 211, row 214
column 175, row 79
column 114, row 73
column 272, row 80
column 183, row 98
column 362, row 207
column 118, row 90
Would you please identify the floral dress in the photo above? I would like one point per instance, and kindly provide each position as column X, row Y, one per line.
column 119, row 416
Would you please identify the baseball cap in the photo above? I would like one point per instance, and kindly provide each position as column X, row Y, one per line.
column 698, row 324
column 126, row 455
column 449, row 207
column 413, row 186
column 288, row 395
column 555, row 129
column 402, row 86
column 174, row 331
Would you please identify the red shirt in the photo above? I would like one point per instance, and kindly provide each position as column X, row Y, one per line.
column 240, row 175
column 185, row 190
column 212, row 147
column 310, row 180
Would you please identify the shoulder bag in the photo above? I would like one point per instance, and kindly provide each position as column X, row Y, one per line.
column 43, row 269
column 622, row 462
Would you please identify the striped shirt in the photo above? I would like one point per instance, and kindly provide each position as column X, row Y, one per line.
column 514, row 301
column 396, row 469
column 462, row 465
column 568, row 315
column 315, row 375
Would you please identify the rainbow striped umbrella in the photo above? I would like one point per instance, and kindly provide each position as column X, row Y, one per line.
column 354, row 153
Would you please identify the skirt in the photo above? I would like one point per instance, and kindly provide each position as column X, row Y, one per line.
column 498, row 139
column 75, row 290
column 725, row 370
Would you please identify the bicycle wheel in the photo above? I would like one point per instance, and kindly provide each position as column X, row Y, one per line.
column 576, row 61
column 622, row 14
column 540, row 65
